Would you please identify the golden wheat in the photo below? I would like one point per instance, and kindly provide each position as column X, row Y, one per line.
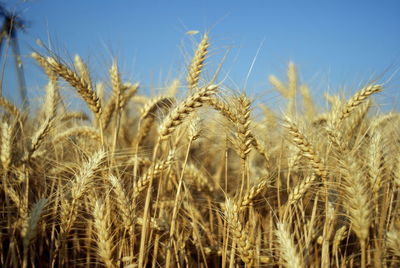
column 167, row 188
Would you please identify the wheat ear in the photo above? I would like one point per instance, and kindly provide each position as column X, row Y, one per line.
column 69, row 204
column 308, row 104
column 39, row 136
column 102, row 230
column 356, row 100
column 124, row 203
column 116, row 83
column 199, row 178
column 287, row 247
column 279, row 86
column 10, row 107
column 180, row 112
column 87, row 131
column 151, row 106
column 129, row 90
column 52, row 99
column 245, row 137
column 172, row 89
column 239, row 234
column 223, row 108
column 376, row 163
column 82, row 68
column 357, row 201
column 307, row 149
column 74, row 116
column 299, row 191
column 6, row 145
column 259, row 145
column 197, row 63
column 77, row 188
column 148, row 116
column 340, row 234
column 393, row 241
column 82, row 86
column 31, row 227
column 255, row 190
column 143, row 182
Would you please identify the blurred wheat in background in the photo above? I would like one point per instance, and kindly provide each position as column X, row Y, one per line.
column 207, row 179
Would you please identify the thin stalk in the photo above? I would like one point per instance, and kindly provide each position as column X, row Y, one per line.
column 100, row 122
column 363, row 253
column 147, row 208
column 176, row 207
column 243, row 171
column 233, row 255
column 118, row 124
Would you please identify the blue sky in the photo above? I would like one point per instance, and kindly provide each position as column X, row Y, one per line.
column 337, row 45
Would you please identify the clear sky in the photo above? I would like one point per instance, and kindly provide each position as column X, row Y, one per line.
column 336, row 45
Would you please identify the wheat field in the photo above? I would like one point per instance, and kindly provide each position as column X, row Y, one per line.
column 202, row 179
